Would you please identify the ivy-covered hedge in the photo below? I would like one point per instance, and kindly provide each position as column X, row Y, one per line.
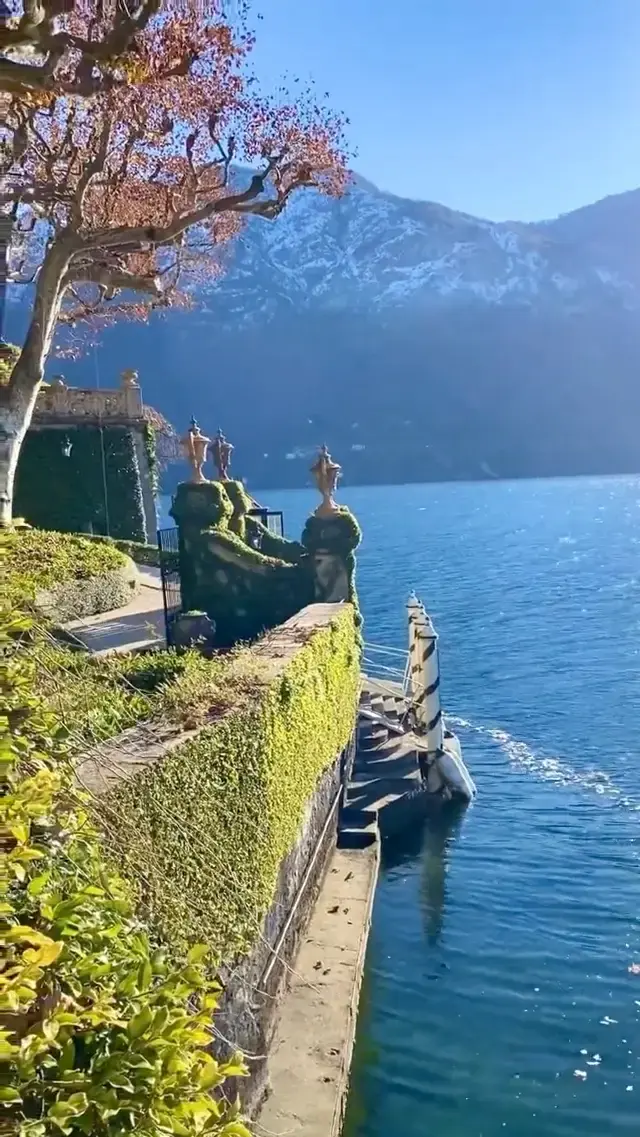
column 54, row 491
column 99, row 1033
column 63, row 576
column 201, row 835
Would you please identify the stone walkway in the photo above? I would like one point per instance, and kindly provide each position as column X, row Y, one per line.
column 310, row 1058
column 138, row 624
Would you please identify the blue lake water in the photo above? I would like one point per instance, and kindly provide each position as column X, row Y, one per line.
column 498, row 968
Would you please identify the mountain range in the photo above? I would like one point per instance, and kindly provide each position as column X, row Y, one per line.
column 418, row 342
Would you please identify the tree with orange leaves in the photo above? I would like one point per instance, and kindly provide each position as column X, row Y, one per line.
column 46, row 49
column 121, row 200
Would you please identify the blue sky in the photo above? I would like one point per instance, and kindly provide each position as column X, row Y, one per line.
column 510, row 109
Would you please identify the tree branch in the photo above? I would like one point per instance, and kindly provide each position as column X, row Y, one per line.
column 112, row 280
column 245, row 202
column 34, row 35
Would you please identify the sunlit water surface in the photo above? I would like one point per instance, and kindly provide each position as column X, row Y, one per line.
column 497, row 996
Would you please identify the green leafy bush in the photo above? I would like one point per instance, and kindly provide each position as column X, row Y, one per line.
column 201, row 835
column 99, row 1034
column 66, row 575
column 91, row 696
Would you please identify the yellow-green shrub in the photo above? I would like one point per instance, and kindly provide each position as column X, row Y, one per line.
column 201, row 834
column 80, row 575
column 99, row 1034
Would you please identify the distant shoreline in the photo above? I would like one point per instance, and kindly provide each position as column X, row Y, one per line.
column 346, row 483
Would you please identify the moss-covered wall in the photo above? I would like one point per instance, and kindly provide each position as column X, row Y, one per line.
column 247, row 579
column 201, row 834
column 54, row 491
column 241, row 589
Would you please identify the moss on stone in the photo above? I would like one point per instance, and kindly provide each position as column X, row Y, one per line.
column 271, row 544
column 339, row 535
column 241, row 503
column 337, row 532
column 243, row 591
column 200, row 506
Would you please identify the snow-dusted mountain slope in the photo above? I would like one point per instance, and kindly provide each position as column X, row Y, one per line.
column 372, row 251
column 418, row 342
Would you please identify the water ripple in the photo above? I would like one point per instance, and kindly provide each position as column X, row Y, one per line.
column 498, row 965
column 550, row 769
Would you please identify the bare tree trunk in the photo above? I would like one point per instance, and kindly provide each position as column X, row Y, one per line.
column 18, row 399
column 15, row 417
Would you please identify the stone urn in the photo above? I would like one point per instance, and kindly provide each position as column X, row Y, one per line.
column 195, row 446
column 326, row 473
column 221, row 452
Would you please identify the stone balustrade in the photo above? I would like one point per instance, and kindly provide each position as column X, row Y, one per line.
column 58, row 404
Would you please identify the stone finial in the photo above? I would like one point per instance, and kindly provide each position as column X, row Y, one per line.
column 326, row 473
column 129, row 379
column 221, row 452
column 195, row 445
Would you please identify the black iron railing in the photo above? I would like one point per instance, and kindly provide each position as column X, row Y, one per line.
column 170, row 577
column 272, row 518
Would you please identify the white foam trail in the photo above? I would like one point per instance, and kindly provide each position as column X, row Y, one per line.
column 549, row 769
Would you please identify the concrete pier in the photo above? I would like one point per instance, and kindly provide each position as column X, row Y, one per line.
column 311, row 1053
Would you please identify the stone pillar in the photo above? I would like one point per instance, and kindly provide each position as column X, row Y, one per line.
column 428, row 710
column 134, row 407
column 196, row 507
column 414, row 667
column 331, row 536
column 331, row 542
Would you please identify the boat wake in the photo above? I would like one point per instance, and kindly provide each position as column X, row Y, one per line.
column 549, row 769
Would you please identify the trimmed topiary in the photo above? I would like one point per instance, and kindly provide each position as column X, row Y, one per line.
column 64, row 576
column 243, row 591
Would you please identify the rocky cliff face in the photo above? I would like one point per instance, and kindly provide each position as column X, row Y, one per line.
column 419, row 342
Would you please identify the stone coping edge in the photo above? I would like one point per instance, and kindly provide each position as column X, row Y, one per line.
column 310, row 1059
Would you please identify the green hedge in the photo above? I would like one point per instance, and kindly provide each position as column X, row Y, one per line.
column 68, row 493
column 139, row 552
column 66, row 575
column 201, row 835
column 100, row 1034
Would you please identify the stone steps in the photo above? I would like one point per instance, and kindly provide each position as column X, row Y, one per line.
column 385, row 781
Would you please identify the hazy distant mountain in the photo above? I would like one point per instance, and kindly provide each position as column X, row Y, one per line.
column 419, row 342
